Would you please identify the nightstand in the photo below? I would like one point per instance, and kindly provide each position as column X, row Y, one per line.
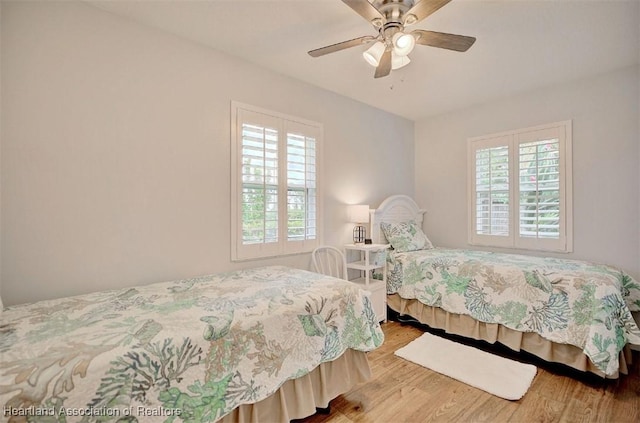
column 366, row 258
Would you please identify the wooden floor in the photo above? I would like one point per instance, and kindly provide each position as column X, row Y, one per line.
column 401, row 391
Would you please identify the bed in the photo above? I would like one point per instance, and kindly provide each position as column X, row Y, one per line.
column 265, row 344
column 566, row 311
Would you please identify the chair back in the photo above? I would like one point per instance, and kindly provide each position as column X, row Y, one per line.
column 329, row 261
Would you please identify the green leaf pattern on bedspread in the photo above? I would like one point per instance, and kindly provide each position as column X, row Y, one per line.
column 565, row 301
column 195, row 349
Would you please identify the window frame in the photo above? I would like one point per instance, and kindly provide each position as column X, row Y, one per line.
column 284, row 124
column 512, row 140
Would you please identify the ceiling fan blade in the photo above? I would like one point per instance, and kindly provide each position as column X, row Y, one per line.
column 443, row 40
column 384, row 67
column 340, row 46
column 366, row 10
column 422, row 9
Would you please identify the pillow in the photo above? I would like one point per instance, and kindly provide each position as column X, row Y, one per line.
column 406, row 236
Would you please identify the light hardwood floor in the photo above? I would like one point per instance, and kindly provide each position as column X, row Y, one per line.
column 401, row 391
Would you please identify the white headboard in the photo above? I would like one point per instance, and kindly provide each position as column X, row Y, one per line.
column 395, row 209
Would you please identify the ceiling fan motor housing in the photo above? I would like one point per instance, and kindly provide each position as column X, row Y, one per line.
column 389, row 29
column 393, row 11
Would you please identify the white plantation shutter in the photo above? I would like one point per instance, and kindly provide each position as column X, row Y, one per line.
column 520, row 188
column 301, row 187
column 275, row 205
column 259, row 184
column 541, row 195
column 491, row 182
column 492, row 191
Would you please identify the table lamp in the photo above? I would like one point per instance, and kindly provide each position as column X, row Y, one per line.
column 359, row 214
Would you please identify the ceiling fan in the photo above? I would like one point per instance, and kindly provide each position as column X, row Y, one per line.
column 393, row 43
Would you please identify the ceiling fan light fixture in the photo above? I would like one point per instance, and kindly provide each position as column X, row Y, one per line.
column 403, row 43
column 374, row 53
column 398, row 62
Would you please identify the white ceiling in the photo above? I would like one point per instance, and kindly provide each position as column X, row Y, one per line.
column 521, row 45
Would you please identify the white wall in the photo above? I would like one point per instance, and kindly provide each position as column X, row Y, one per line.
column 606, row 139
column 1, row 301
column 115, row 152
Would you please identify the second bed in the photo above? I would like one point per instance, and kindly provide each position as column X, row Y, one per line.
column 572, row 312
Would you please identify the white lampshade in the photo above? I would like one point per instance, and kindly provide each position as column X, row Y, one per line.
column 403, row 43
column 374, row 54
column 359, row 213
column 399, row 61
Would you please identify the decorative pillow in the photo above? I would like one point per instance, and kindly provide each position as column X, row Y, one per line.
column 406, row 236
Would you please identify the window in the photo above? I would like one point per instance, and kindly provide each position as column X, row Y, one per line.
column 275, row 164
column 520, row 189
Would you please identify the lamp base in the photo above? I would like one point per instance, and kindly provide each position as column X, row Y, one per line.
column 359, row 234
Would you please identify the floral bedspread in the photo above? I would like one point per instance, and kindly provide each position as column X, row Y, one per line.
column 565, row 301
column 189, row 350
